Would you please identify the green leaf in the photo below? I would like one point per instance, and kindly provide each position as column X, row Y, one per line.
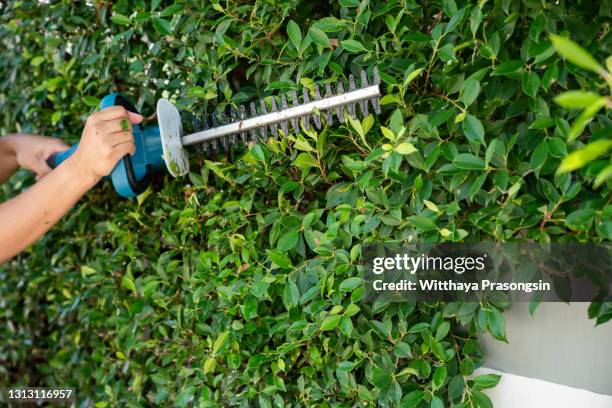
column 402, row 350
column 418, row 327
column 405, row 148
column 422, row 222
column 446, row 53
column 439, row 377
column 486, row 381
column 468, row 161
column 171, row 10
column 584, row 118
column 330, row 322
column 438, row 350
column 346, row 325
column 291, row 294
column 436, row 402
column 508, row 68
column 350, row 284
column 381, row 378
column 456, row 19
column 162, row 26
column 587, row 154
column 120, row 19
column 496, row 324
column 412, row 399
column 353, row 46
column 356, row 125
column 346, row 366
column 37, row 61
column 288, row 241
column 475, row 19
column 281, row 260
column 319, row 37
column 349, row 3
column 443, row 330
column 330, row 24
column 473, row 129
column 467, row 366
column 542, row 123
column 469, row 91
column 362, row 391
column 388, row 133
column 209, row 365
column 396, row 121
column 580, row 219
column 539, row 155
column 411, row 76
column 305, row 161
column 491, row 150
column 128, row 282
column 575, row 53
column 456, row 387
column 220, row 341
column 295, row 34
column 577, row 99
column 481, row 399
column 91, row 101
column 531, row 83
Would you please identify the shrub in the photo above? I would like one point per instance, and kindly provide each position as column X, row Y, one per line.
column 235, row 286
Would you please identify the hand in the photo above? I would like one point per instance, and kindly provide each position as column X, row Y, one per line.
column 32, row 151
column 107, row 137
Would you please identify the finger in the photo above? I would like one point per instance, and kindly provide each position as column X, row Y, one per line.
column 40, row 168
column 135, row 118
column 116, row 126
column 60, row 144
column 111, row 113
column 55, row 146
column 120, row 112
column 121, row 136
column 123, row 148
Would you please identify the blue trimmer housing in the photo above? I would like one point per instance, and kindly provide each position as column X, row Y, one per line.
column 132, row 175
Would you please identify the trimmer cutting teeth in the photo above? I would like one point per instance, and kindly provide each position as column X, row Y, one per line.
column 166, row 142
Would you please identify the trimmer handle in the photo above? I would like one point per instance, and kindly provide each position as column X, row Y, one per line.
column 57, row 158
column 132, row 175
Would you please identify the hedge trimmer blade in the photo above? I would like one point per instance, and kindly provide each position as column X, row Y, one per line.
column 240, row 127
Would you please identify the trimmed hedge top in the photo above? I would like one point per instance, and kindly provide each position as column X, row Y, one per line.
column 237, row 286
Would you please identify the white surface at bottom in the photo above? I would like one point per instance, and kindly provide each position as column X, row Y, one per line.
column 514, row 391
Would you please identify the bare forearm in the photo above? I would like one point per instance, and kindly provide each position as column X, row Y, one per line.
column 106, row 138
column 8, row 158
column 28, row 216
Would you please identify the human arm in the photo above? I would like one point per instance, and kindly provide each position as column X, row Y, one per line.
column 8, row 159
column 28, row 216
column 27, row 151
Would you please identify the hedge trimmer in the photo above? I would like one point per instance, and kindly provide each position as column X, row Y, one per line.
column 165, row 143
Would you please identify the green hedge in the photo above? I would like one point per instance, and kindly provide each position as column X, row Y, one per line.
column 232, row 287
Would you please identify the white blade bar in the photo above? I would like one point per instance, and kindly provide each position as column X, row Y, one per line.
column 293, row 112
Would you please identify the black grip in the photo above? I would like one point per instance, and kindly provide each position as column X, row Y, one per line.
column 120, row 100
column 51, row 162
column 137, row 186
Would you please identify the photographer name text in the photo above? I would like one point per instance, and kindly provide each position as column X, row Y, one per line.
column 429, row 285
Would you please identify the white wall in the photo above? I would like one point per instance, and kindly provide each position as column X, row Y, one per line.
column 521, row 392
column 559, row 344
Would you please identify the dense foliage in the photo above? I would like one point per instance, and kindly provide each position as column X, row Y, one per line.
column 237, row 285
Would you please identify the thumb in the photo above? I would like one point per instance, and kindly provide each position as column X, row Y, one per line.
column 58, row 145
column 40, row 168
column 135, row 118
